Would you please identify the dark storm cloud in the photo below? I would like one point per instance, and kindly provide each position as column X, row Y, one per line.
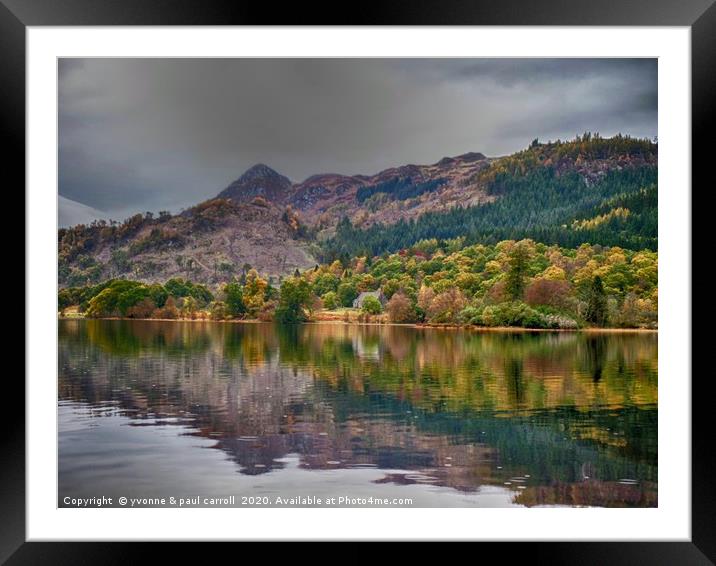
column 152, row 134
column 510, row 72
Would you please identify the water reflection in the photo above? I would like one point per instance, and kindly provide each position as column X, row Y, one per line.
column 556, row 418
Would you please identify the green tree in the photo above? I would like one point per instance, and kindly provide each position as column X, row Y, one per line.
column 324, row 283
column 330, row 301
column 347, row 293
column 130, row 296
column 102, row 304
column 295, row 299
column 235, row 299
column 117, row 298
column 178, row 287
column 596, row 311
column 158, row 294
column 518, row 270
column 67, row 297
column 371, row 305
column 202, row 294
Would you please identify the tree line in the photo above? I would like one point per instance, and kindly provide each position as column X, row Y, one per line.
column 511, row 283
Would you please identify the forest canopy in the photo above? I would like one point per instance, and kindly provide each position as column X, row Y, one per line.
column 541, row 205
column 511, row 283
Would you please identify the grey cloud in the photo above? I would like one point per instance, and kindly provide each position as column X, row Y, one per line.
column 519, row 71
column 151, row 134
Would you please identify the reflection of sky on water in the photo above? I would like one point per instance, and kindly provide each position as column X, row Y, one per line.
column 161, row 452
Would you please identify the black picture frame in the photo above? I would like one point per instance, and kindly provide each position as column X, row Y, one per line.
column 699, row 15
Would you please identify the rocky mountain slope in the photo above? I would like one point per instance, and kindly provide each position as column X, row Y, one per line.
column 210, row 242
column 395, row 193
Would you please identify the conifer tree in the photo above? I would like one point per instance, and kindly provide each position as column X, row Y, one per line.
column 596, row 312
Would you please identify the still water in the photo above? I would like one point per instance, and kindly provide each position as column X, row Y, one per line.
column 436, row 417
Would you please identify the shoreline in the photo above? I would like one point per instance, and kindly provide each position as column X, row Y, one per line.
column 417, row 325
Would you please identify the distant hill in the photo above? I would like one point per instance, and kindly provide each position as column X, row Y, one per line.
column 590, row 189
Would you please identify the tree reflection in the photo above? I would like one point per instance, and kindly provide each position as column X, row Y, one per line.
column 458, row 408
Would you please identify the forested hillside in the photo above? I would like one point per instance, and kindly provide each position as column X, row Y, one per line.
column 563, row 193
column 594, row 190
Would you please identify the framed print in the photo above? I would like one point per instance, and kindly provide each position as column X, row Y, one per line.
column 425, row 275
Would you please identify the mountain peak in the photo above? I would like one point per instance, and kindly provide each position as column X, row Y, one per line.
column 472, row 156
column 258, row 180
column 259, row 171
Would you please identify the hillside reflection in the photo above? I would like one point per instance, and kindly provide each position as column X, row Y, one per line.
column 561, row 418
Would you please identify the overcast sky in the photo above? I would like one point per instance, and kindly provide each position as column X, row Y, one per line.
column 164, row 134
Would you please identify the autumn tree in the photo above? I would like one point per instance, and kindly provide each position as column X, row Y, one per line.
column 188, row 307
column 445, row 306
column 550, row 292
column 254, row 292
column 168, row 311
column 143, row 309
column 425, row 297
column 217, row 310
column 400, row 308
